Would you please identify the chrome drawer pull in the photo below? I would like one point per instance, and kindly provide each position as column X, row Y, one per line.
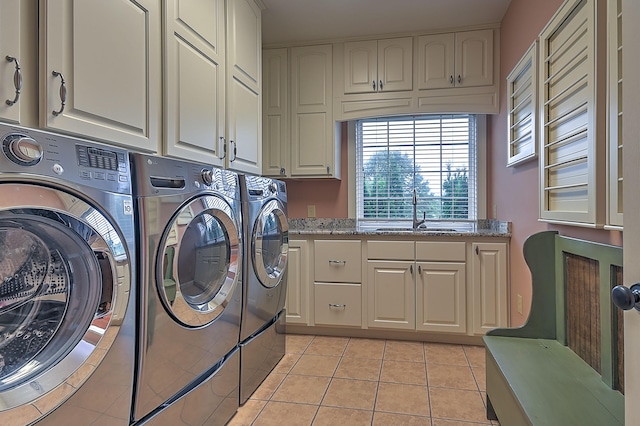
column 337, row 262
column 334, row 305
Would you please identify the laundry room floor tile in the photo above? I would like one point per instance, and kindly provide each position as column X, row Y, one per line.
column 354, row 381
column 316, row 365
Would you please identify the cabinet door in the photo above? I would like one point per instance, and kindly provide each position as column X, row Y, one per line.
column 244, row 76
column 474, row 58
column 489, row 276
column 194, row 80
column 436, row 61
column 244, row 128
column 360, row 67
column 391, row 295
column 441, row 297
column 10, row 45
column 312, row 131
column 298, row 283
column 107, row 54
column 395, row 64
column 275, row 112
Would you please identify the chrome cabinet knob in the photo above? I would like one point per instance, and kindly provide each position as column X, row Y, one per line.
column 626, row 298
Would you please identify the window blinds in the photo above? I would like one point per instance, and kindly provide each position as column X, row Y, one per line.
column 433, row 154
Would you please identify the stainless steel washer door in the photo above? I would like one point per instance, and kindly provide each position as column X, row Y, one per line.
column 59, row 258
column 197, row 272
column 270, row 244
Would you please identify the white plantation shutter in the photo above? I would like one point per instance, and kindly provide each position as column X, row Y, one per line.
column 522, row 102
column 615, row 114
column 396, row 155
column 569, row 150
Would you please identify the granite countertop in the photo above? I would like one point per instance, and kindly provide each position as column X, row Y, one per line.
column 327, row 226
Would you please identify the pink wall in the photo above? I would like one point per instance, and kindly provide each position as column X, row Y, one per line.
column 514, row 191
column 330, row 196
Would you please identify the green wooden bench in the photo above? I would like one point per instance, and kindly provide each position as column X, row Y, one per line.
column 533, row 377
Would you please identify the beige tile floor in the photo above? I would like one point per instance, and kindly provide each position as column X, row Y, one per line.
column 351, row 381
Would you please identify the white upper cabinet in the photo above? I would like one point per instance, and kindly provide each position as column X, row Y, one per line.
column 101, row 70
column 378, row 65
column 275, row 112
column 194, row 76
column 462, row 59
column 313, row 149
column 244, row 81
column 14, row 62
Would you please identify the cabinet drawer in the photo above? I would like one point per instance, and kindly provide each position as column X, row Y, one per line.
column 390, row 250
column 338, row 261
column 338, row 304
column 441, row 251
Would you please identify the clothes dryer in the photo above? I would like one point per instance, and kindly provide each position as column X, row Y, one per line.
column 262, row 341
column 190, row 234
column 67, row 299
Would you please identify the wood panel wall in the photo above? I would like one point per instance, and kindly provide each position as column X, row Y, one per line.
column 582, row 284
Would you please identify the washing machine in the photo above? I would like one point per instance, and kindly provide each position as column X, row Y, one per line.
column 67, row 299
column 190, row 246
column 262, row 341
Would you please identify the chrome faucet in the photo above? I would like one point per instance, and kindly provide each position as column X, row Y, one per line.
column 416, row 222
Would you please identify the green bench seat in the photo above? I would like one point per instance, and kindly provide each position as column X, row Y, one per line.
column 533, row 378
column 546, row 383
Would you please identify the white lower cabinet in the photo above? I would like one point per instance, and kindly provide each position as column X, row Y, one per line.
column 441, row 297
column 337, row 304
column 489, row 271
column 441, row 286
column 337, row 278
column 297, row 301
column 390, row 287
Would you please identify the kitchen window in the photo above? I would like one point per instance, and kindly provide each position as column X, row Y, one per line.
column 435, row 155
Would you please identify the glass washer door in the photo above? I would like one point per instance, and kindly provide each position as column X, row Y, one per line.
column 270, row 244
column 58, row 262
column 198, row 270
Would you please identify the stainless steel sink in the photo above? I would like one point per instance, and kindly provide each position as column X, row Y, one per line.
column 427, row 229
column 394, row 229
column 421, row 229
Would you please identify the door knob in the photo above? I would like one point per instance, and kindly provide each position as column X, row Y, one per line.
column 626, row 298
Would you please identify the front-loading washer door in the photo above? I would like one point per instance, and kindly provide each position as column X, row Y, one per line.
column 270, row 244
column 198, row 267
column 59, row 264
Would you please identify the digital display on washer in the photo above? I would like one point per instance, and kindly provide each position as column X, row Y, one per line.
column 98, row 158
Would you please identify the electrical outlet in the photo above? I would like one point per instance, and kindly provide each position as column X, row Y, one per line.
column 311, row 210
column 520, row 304
column 495, row 211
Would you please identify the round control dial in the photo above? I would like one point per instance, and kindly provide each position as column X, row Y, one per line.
column 22, row 149
column 207, row 176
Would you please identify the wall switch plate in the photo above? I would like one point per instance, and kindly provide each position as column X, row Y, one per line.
column 311, row 210
column 520, row 304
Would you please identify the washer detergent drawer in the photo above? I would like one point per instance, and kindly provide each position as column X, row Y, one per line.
column 338, row 304
column 338, row 261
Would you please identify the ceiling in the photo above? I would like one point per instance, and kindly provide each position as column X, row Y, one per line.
column 294, row 21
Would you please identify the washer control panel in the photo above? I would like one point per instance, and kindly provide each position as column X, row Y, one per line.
column 76, row 160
